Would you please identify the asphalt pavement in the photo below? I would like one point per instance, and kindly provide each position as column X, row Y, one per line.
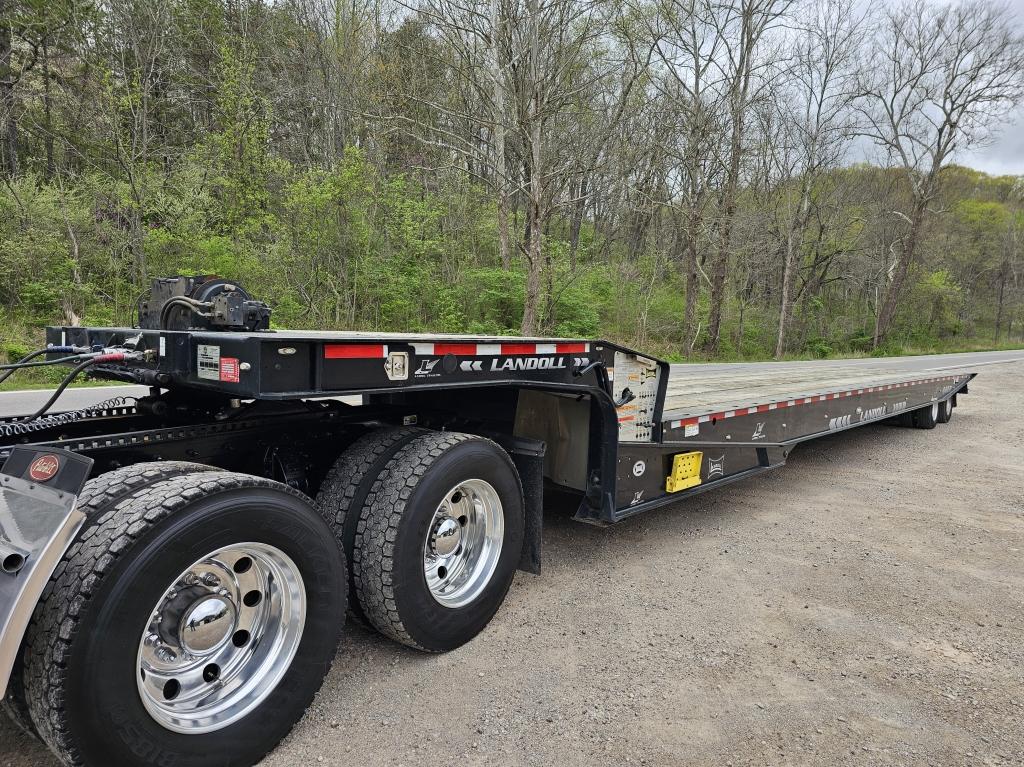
column 22, row 402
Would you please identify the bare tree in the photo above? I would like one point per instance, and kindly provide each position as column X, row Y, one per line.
column 936, row 81
column 744, row 26
column 816, row 117
column 688, row 99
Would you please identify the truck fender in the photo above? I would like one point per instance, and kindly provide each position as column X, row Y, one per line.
column 39, row 519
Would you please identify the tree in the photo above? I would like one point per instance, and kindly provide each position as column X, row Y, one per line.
column 936, row 80
column 816, row 119
column 744, row 27
column 688, row 100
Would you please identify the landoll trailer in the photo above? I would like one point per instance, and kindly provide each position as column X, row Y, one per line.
column 176, row 570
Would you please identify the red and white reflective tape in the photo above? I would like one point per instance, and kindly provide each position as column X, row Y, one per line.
column 498, row 350
column 355, row 351
column 800, row 401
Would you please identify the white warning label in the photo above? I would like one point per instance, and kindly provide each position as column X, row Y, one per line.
column 208, row 361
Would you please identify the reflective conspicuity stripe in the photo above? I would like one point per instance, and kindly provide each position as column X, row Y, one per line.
column 499, row 350
column 355, row 351
column 802, row 400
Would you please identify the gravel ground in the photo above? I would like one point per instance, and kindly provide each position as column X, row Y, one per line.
column 863, row 606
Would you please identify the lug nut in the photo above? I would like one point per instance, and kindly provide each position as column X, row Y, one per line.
column 210, row 580
column 166, row 654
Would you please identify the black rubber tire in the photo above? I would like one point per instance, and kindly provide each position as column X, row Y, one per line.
column 393, row 526
column 343, row 491
column 945, row 411
column 80, row 669
column 99, row 494
column 926, row 417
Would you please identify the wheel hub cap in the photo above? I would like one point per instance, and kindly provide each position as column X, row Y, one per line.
column 207, row 625
column 447, row 537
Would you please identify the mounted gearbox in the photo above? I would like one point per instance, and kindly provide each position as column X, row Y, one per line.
column 201, row 302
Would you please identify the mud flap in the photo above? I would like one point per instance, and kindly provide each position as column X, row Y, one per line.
column 38, row 520
column 528, row 457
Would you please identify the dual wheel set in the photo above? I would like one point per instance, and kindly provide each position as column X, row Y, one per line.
column 196, row 614
column 929, row 417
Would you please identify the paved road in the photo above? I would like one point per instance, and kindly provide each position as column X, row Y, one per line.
column 19, row 402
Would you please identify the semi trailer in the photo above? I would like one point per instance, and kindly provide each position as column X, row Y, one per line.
column 176, row 569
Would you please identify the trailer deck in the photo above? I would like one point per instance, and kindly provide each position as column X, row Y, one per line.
column 695, row 390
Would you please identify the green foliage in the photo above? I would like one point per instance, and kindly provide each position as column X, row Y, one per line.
column 220, row 156
column 819, row 348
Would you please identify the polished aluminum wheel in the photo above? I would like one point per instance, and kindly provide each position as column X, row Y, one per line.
column 463, row 543
column 221, row 638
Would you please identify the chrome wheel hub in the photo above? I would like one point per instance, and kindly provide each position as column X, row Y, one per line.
column 221, row 637
column 447, row 537
column 207, row 624
column 463, row 544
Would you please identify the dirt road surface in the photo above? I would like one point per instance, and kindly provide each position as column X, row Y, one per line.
column 863, row 605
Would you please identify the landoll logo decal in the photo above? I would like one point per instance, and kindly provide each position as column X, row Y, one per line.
column 426, row 367
column 527, row 363
column 44, row 468
column 716, row 466
column 873, row 413
column 758, row 432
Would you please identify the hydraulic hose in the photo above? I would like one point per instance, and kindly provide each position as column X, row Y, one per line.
column 25, row 362
column 111, row 357
column 194, row 306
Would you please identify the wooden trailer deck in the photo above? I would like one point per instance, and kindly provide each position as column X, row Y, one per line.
column 697, row 390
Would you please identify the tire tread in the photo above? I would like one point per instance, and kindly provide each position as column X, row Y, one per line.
column 373, row 556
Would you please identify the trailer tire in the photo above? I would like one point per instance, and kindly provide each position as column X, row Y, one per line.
column 399, row 533
column 945, row 411
column 85, row 642
column 98, row 494
column 343, row 491
column 927, row 417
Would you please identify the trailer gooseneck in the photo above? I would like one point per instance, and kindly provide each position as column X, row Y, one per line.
column 175, row 570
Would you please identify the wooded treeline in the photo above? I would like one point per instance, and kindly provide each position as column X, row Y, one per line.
column 686, row 176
